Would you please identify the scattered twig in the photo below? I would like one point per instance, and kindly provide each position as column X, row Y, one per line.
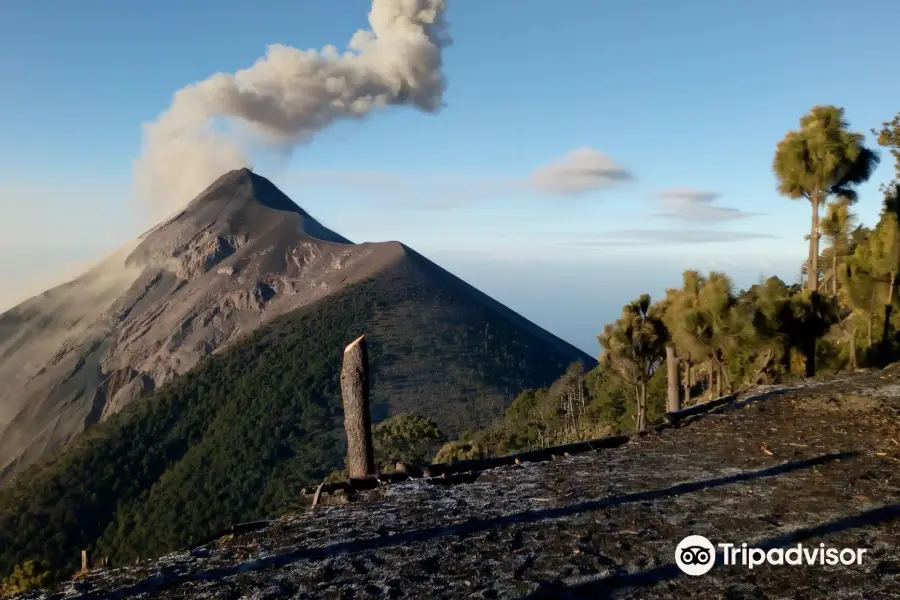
column 315, row 499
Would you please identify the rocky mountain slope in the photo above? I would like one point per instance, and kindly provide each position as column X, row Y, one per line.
column 237, row 256
column 814, row 463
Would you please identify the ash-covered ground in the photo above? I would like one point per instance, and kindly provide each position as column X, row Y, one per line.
column 813, row 464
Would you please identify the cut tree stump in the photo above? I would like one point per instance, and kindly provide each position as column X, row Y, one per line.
column 357, row 419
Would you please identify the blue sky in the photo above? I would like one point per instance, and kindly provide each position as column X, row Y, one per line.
column 684, row 98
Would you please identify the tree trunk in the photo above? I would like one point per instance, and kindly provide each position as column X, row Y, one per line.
column 709, row 379
column 888, row 308
column 718, row 379
column 726, row 378
column 869, row 327
column 834, row 277
column 687, row 383
column 673, row 398
column 786, row 358
column 812, row 272
column 357, row 420
column 574, row 417
column 810, row 352
column 641, row 422
column 853, row 349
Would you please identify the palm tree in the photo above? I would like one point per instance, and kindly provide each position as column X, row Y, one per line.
column 707, row 325
column 809, row 318
column 679, row 304
column 859, row 293
column 728, row 328
column 889, row 137
column 633, row 350
column 822, row 159
column 837, row 227
column 884, row 247
column 667, row 308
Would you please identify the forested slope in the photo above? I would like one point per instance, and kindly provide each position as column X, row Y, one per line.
column 236, row 438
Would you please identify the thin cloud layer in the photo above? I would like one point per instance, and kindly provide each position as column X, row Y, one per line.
column 578, row 171
column 692, row 205
column 422, row 191
column 582, row 170
column 642, row 237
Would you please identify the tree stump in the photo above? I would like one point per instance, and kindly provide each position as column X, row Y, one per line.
column 673, row 398
column 357, row 419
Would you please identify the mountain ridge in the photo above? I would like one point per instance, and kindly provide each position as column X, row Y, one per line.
column 239, row 436
column 238, row 255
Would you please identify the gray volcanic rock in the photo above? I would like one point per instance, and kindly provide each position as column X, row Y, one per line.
column 238, row 255
column 597, row 525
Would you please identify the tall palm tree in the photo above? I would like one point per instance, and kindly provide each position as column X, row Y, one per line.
column 680, row 304
column 822, row 159
column 633, row 350
column 667, row 309
column 769, row 313
column 708, row 325
column 837, row 227
column 729, row 327
column 859, row 293
column 885, row 246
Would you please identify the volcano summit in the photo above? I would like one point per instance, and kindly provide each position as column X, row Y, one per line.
column 238, row 256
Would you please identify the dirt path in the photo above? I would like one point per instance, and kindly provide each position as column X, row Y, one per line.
column 813, row 465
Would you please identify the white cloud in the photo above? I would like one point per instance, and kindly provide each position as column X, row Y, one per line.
column 692, row 205
column 582, row 170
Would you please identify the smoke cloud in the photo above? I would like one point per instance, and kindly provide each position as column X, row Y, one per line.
column 289, row 95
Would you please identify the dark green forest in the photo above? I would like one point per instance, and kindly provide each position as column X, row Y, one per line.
column 239, row 436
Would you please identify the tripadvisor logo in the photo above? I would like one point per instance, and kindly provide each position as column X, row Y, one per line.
column 696, row 555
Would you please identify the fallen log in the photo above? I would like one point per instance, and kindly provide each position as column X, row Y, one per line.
column 448, row 470
column 238, row 529
column 704, row 407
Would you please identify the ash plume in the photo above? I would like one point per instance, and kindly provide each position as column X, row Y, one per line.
column 289, row 95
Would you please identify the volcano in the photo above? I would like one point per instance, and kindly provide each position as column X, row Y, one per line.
column 238, row 256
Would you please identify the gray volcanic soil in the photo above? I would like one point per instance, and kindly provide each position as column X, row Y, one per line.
column 814, row 463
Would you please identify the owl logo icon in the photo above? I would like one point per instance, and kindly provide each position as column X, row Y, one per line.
column 695, row 555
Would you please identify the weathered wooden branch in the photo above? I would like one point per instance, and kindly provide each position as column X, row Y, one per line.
column 315, row 500
column 357, row 419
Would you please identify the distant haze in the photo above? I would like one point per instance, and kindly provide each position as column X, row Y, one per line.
column 575, row 300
